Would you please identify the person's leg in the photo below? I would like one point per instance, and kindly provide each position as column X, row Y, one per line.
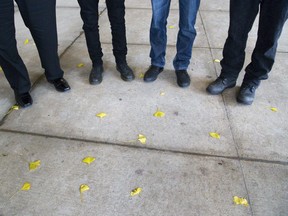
column 40, row 18
column 158, row 37
column 186, row 34
column 10, row 61
column 89, row 14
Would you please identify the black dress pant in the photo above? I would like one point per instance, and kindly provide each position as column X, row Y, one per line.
column 273, row 14
column 40, row 17
column 116, row 14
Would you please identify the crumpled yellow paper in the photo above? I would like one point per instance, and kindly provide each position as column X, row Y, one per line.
column 84, row 188
column 171, row 26
column 274, row 109
column 26, row 186
column 215, row 135
column 26, row 41
column 136, row 191
column 101, row 115
column 240, row 201
column 217, row 60
column 15, row 107
column 80, row 65
column 159, row 114
column 34, row 165
column 142, row 138
column 88, row 160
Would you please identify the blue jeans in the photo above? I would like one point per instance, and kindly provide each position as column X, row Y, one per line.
column 273, row 15
column 186, row 34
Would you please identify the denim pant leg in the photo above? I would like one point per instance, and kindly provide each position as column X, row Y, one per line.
column 273, row 15
column 40, row 18
column 116, row 14
column 10, row 61
column 89, row 15
column 186, row 34
column 158, row 36
column 242, row 17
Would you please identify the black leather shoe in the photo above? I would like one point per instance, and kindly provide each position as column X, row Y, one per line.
column 220, row 84
column 152, row 73
column 183, row 78
column 95, row 76
column 24, row 100
column 60, row 85
column 125, row 71
column 246, row 93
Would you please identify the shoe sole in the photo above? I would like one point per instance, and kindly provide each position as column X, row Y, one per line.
column 244, row 102
column 152, row 80
column 95, row 83
column 217, row 93
column 183, row 85
column 127, row 79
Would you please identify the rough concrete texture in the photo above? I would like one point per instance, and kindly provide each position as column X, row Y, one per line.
column 181, row 169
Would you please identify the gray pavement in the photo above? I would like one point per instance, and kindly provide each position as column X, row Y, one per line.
column 181, row 169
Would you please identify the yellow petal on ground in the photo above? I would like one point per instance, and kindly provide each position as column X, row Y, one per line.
column 15, row 107
column 142, row 138
column 88, row 160
column 141, row 75
column 136, row 191
column 84, row 188
column 215, row 135
column 217, row 60
column 240, row 201
column 101, row 115
column 159, row 114
column 274, row 109
column 162, row 93
column 26, row 186
column 80, row 65
column 34, row 165
column 171, row 27
column 26, row 41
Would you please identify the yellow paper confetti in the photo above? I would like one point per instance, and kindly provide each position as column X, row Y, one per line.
column 80, row 65
column 215, row 135
column 26, row 186
column 34, row 165
column 15, row 107
column 136, row 191
column 88, row 160
column 159, row 114
column 26, row 41
column 84, row 188
column 162, row 93
column 142, row 138
column 240, row 201
column 171, row 27
column 217, row 60
column 101, row 115
column 274, row 109
column 141, row 75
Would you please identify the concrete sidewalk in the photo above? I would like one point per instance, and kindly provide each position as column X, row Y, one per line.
column 181, row 169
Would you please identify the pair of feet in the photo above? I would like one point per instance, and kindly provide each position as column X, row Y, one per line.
column 183, row 78
column 25, row 100
column 245, row 95
column 96, row 76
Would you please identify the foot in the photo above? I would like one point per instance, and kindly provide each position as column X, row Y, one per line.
column 60, row 84
column 183, row 78
column 220, row 84
column 24, row 100
column 125, row 71
column 246, row 93
column 152, row 73
column 95, row 76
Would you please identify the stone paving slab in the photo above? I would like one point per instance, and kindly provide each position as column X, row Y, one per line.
column 190, row 114
column 212, row 5
column 257, row 130
column 172, row 184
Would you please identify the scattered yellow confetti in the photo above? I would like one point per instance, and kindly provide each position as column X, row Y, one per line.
column 162, row 93
column 215, row 135
column 80, row 65
column 84, row 188
column 274, row 109
column 26, row 41
column 26, row 186
column 159, row 114
column 141, row 75
column 136, row 191
column 240, row 201
column 101, row 115
column 142, row 138
column 217, row 60
column 15, row 107
column 34, row 165
column 171, row 27
column 88, row 160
